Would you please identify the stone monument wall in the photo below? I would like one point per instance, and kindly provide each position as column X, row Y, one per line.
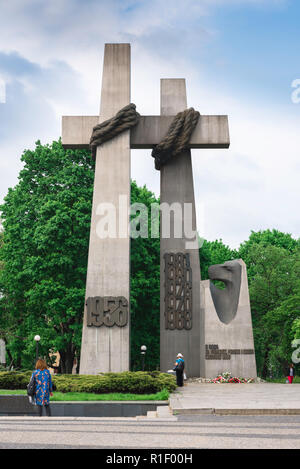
column 229, row 344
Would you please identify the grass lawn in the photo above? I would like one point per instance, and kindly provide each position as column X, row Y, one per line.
column 84, row 396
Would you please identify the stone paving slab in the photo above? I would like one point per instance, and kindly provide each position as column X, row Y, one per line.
column 210, row 431
column 236, row 399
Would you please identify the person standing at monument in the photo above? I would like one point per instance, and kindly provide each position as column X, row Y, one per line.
column 290, row 373
column 179, row 369
column 43, row 387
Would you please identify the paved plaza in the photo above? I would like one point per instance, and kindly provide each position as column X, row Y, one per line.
column 206, row 416
column 262, row 398
column 198, row 431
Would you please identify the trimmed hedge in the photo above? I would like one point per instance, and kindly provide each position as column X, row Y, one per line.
column 138, row 382
column 14, row 379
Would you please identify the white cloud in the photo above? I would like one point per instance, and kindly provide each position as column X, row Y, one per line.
column 253, row 185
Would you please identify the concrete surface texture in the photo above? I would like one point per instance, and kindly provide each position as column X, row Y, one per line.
column 210, row 132
column 185, row 432
column 234, row 338
column 107, row 348
column 255, row 399
column 192, row 426
column 177, row 186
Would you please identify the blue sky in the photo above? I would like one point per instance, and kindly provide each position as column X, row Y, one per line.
column 239, row 57
column 260, row 47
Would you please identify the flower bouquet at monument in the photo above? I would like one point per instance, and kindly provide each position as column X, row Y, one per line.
column 227, row 378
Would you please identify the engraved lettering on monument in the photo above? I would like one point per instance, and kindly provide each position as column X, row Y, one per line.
column 178, row 291
column 212, row 352
column 108, row 311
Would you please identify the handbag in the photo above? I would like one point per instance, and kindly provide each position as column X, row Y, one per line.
column 31, row 387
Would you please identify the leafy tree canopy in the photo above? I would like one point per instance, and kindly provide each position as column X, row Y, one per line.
column 46, row 220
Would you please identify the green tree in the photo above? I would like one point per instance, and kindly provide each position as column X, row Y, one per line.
column 214, row 252
column 265, row 238
column 46, row 220
column 270, row 238
column 145, row 287
column 283, row 326
column 273, row 273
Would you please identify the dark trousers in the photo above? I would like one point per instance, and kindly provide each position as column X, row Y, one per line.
column 47, row 408
column 179, row 377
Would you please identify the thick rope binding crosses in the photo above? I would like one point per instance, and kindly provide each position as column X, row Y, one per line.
column 175, row 142
column 178, row 136
column 126, row 118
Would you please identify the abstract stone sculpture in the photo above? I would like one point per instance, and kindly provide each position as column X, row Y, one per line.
column 226, row 301
column 228, row 332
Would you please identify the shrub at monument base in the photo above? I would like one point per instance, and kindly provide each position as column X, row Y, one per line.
column 127, row 382
column 14, row 379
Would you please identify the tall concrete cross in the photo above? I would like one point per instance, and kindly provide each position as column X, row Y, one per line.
column 106, row 324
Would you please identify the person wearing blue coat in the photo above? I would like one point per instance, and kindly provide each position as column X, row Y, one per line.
column 43, row 387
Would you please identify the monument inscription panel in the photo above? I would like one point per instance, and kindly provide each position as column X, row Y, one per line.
column 178, row 291
column 107, row 311
column 213, row 352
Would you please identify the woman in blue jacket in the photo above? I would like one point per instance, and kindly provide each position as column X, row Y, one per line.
column 43, row 387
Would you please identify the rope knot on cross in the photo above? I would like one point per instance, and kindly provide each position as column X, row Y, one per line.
column 178, row 136
column 126, row 118
column 175, row 142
